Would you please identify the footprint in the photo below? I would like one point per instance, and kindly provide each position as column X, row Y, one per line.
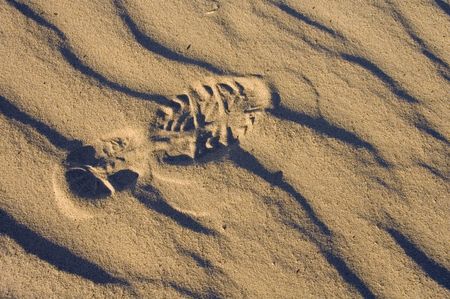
column 109, row 165
column 213, row 114
column 64, row 198
column 89, row 182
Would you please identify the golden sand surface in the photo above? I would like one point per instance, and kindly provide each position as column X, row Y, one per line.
column 224, row 149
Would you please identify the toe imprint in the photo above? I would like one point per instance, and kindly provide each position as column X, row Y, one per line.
column 87, row 182
column 96, row 171
column 215, row 113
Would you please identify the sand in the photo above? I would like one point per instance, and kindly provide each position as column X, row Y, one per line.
column 224, row 149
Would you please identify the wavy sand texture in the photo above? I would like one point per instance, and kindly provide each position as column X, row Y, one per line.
column 224, row 149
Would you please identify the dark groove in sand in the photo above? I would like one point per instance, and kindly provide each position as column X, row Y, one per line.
column 434, row 171
column 54, row 254
column 381, row 75
column 77, row 64
column 29, row 13
column 440, row 64
column 444, row 6
column 425, row 127
column 307, row 20
column 153, row 200
column 323, row 127
column 348, row 275
column 248, row 162
column 155, row 47
column 200, row 261
column 339, row 264
column 209, row 294
column 434, row 270
column 360, row 61
column 53, row 136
